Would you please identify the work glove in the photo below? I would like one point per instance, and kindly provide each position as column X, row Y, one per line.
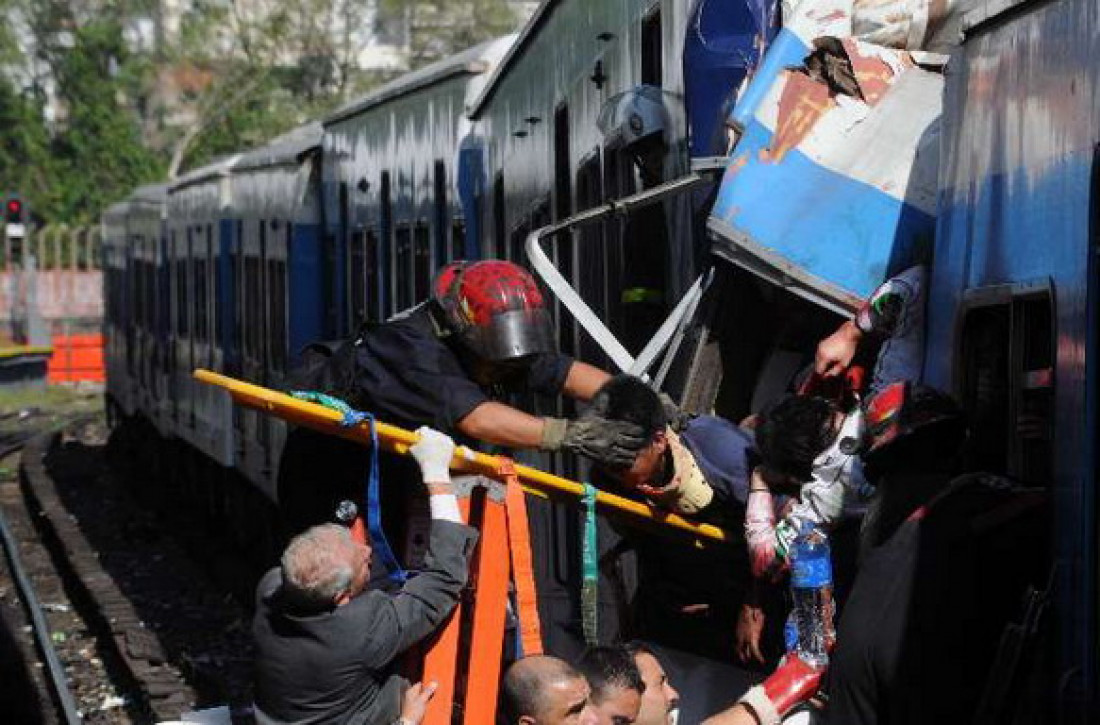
column 614, row 443
column 792, row 683
column 433, row 452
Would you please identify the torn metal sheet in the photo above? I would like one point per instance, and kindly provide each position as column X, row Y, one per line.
column 833, row 181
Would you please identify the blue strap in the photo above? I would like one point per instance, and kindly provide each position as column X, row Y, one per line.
column 352, row 418
column 591, row 577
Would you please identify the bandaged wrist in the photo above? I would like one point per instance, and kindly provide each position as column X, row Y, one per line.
column 444, row 507
column 758, row 701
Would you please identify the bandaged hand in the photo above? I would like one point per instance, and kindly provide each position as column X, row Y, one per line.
column 792, row 683
column 433, row 452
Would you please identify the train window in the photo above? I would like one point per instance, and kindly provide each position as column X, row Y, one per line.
column 373, row 310
column 1007, row 379
column 385, row 242
column 499, row 219
column 253, row 322
column 651, row 48
column 277, row 324
column 357, row 273
column 515, row 247
column 422, row 262
column 563, row 207
column 458, row 238
column 591, row 280
column 201, row 301
column 439, row 181
column 403, row 267
column 181, row 297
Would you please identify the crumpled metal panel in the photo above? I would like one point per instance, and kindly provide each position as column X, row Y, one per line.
column 832, row 183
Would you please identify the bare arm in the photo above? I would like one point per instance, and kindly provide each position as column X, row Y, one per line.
column 583, row 380
column 502, row 425
column 737, row 715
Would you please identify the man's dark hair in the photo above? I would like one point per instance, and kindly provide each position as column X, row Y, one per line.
column 629, row 398
column 607, row 668
column 525, row 680
column 793, row 432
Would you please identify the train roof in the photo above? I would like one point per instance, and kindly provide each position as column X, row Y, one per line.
column 530, row 30
column 150, row 193
column 215, row 169
column 472, row 61
column 282, row 150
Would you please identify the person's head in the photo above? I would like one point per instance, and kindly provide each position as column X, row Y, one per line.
column 544, row 690
column 615, row 682
column 629, row 398
column 660, row 699
column 323, row 567
column 791, row 434
column 497, row 313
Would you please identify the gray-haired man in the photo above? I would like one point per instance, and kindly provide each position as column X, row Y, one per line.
column 324, row 643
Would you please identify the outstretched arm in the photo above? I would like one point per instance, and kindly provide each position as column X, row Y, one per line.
column 583, row 380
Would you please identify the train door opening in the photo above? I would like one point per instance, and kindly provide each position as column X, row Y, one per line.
column 422, row 262
column 593, row 275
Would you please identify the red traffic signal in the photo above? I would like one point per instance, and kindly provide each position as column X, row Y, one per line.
column 13, row 211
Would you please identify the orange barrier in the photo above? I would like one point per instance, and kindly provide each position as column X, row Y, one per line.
column 76, row 358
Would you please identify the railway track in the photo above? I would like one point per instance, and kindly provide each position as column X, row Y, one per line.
column 127, row 627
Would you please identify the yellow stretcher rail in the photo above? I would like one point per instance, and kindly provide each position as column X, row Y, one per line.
column 465, row 460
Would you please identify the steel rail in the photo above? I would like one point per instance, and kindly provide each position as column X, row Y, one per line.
column 38, row 620
column 465, row 460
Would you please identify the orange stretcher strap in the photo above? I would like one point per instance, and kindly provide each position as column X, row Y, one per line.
column 523, row 570
column 490, row 608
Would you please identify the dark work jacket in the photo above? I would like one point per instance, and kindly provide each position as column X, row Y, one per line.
column 920, row 629
column 407, row 375
column 334, row 666
column 725, row 454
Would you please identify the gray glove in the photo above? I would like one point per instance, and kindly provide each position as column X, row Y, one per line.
column 613, row 443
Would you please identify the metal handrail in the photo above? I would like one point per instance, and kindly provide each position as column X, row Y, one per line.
column 465, row 459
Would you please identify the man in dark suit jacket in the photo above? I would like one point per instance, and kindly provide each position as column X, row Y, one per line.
column 325, row 644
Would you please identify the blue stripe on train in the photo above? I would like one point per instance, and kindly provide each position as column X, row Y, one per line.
column 846, row 232
column 307, row 303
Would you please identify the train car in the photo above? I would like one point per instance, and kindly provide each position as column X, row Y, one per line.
column 1013, row 316
column 119, row 393
column 133, row 238
column 391, row 213
column 198, row 206
column 266, row 314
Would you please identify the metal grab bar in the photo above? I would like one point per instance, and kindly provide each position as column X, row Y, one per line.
column 580, row 310
column 466, row 460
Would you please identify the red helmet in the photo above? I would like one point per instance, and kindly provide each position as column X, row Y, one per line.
column 495, row 308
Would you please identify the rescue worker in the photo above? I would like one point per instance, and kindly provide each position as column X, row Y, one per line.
column 486, row 331
column 945, row 561
column 616, row 684
column 325, row 643
column 544, row 690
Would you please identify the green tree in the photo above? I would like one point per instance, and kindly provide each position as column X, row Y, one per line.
column 439, row 28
